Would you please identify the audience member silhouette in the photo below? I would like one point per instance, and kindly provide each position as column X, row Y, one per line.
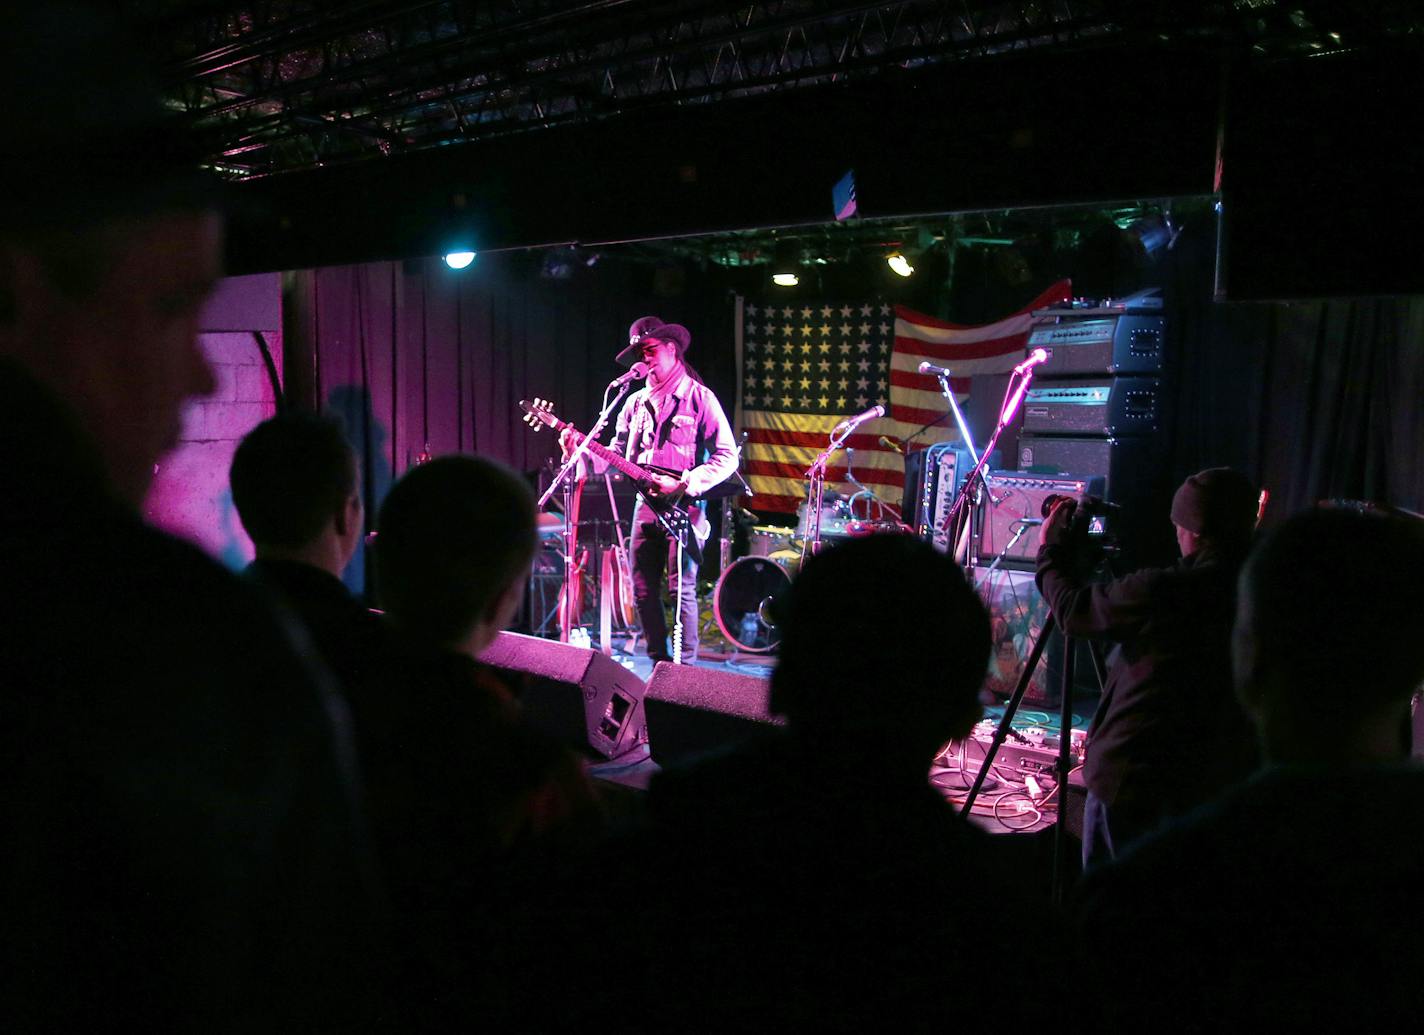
column 181, row 847
column 1293, row 901
column 297, row 491
column 813, row 877
column 459, row 786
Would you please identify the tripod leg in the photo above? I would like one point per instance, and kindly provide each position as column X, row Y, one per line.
column 1065, row 737
column 1100, row 668
column 1010, row 709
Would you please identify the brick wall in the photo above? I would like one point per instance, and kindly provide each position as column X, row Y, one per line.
column 190, row 495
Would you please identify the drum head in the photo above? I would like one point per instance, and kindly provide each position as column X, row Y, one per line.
column 739, row 603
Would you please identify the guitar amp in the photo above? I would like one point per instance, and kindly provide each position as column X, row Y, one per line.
column 1013, row 510
column 1106, row 406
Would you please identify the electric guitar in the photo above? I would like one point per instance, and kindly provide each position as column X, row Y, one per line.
column 677, row 521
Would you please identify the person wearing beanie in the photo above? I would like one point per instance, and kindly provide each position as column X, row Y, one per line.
column 1168, row 734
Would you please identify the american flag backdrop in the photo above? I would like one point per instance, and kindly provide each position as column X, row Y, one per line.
column 805, row 367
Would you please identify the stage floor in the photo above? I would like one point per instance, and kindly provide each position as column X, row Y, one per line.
column 1019, row 795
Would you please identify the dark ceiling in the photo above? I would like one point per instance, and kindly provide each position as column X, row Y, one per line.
column 711, row 132
column 276, row 86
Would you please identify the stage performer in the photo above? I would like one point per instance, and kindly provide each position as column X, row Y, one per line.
column 1168, row 733
column 676, row 422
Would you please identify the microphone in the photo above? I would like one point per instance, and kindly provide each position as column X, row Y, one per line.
column 636, row 372
column 1035, row 357
column 1028, row 521
column 851, row 423
column 893, row 443
column 929, row 368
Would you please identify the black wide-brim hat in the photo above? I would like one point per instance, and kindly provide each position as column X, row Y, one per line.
column 653, row 327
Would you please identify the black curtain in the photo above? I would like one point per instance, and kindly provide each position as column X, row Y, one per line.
column 1315, row 400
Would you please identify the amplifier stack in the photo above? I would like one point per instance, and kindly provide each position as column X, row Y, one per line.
column 1090, row 419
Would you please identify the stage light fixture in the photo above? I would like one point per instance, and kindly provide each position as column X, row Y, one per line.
column 459, row 260
column 786, row 262
column 1150, row 236
column 900, row 264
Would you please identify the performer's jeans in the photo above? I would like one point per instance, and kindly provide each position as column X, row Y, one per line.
column 654, row 554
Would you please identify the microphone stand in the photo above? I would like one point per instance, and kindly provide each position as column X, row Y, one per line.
column 561, row 478
column 961, row 514
column 816, row 488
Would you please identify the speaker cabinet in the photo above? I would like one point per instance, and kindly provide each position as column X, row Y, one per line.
column 693, row 710
column 575, row 694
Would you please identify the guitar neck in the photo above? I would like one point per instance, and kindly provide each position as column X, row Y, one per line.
column 623, row 464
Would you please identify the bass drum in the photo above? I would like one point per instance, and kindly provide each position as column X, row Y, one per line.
column 741, row 600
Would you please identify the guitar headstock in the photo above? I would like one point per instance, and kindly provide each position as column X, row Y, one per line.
column 538, row 413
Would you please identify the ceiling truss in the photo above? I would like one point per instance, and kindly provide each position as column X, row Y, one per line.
column 276, row 86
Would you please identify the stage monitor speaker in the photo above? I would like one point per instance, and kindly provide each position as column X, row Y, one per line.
column 693, row 710
column 577, row 695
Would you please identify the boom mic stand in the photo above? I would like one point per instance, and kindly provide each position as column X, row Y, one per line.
column 959, row 522
column 816, row 478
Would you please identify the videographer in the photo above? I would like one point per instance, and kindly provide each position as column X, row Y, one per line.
column 1168, row 733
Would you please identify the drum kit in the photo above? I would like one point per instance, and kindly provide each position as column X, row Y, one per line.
column 747, row 586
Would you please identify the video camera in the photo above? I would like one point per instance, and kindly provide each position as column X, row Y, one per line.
column 1093, row 528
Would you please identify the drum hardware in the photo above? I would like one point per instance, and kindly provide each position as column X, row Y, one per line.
column 832, row 520
column 765, row 540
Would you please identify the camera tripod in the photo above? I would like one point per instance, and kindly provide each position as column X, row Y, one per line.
column 1063, row 764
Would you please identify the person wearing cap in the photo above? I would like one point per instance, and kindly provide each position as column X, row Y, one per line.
column 675, row 422
column 1168, row 733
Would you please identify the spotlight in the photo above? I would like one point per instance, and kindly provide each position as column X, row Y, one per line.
column 900, row 264
column 785, row 263
column 459, row 260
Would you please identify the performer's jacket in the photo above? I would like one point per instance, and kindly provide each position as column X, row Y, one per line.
column 1168, row 733
column 683, row 430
